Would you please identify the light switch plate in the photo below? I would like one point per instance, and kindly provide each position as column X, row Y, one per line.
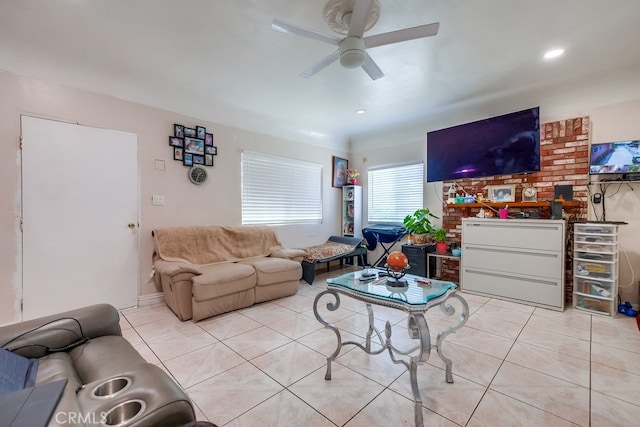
column 157, row 200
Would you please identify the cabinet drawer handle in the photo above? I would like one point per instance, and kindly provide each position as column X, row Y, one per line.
column 506, row 276
column 510, row 251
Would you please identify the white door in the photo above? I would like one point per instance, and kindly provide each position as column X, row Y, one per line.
column 80, row 217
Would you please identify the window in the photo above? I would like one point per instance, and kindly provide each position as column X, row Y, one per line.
column 394, row 192
column 278, row 190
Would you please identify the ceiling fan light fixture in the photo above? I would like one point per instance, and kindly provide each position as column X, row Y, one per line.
column 352, row 52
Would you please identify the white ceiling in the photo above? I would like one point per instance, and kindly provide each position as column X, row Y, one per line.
column 220, row 61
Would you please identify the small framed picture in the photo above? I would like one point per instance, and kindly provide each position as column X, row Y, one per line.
column 208, row 160
column 200, row 132
column 178, row 131
column 198, row 160
column 502, row 193
column 339, row 172
column 190, row 132
column 175, row 141
column 178, row 153
column 194, row 146
column 188, row 159
column 208, row 149
column 208, row 139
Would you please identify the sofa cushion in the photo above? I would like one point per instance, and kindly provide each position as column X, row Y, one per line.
column 215, row 243
column 274, row 270
column 59, row 366
column 222, row 279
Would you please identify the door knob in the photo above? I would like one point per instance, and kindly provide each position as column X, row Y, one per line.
column 131, row 225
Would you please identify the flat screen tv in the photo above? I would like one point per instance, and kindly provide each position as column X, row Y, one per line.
column 507, row 144
column 614, row 157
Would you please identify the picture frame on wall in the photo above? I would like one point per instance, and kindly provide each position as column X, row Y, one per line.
column 178, row 130
column 208, row 139
column 188, row 159
column 200, row 132
column 502, row 193
column 198, row 159
column 190, row 132
column 339, row 172
column 178, row 153
column 175, row 141
column 194, row 146
column 208, row 160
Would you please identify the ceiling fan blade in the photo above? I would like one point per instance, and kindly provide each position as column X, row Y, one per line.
column 322, row 64
column 303, row 32
column 402, row 35
column 371, row 68
column 359, row 18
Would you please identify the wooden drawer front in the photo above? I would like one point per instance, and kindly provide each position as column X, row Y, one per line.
column 505, row 233
column 521, row 261
column 547, row 292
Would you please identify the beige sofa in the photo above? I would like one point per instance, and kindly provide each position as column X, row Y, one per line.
column 209, row 270
column 108, row 381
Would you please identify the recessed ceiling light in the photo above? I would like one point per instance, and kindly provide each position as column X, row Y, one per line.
column 361, row 111
column 553, row 53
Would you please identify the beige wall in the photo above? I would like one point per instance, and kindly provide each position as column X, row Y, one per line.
column 613, row 122
column 216, row 202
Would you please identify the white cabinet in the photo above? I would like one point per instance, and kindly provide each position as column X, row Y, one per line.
column 521, row 260
column 352, row 210
column 595, row 267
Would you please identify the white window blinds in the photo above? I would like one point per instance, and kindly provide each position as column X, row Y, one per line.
column 394, row 192
column 279, row 190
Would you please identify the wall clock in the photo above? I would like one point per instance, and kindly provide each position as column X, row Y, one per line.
column 198, row 174
column 529, row 194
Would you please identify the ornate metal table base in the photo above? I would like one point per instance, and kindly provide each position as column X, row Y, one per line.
column 418, row 330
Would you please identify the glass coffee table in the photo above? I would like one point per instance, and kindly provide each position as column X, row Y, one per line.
column 415, row 297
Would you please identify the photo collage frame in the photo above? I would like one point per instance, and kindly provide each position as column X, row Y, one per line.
column 192, row 146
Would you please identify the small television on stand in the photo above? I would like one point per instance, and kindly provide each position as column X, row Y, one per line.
column 619, row 160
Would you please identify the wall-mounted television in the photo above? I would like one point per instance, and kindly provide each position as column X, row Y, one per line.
column 507, row 144
column 614, row 157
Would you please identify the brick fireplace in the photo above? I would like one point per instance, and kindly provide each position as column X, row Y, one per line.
column 564, row 159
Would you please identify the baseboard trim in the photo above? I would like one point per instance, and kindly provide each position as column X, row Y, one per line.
column 146, row 300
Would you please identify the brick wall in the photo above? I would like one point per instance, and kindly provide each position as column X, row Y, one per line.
column 564, row 159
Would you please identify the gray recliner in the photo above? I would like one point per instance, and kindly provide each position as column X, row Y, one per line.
column 107, row 379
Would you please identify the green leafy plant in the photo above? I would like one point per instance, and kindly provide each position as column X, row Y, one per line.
column 419, row 222
column 439, row 235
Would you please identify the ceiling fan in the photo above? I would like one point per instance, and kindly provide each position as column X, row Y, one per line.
column 352, row 18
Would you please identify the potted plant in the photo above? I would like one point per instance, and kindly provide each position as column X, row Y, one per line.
column 419, row 225
column 353, row 175
column 440, row 237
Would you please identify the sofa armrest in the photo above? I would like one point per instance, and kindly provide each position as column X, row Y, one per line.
column 171, row 268
column 60, row 332
column 286, row 253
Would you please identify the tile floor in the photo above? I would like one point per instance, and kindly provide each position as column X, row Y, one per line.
column 513, row 365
